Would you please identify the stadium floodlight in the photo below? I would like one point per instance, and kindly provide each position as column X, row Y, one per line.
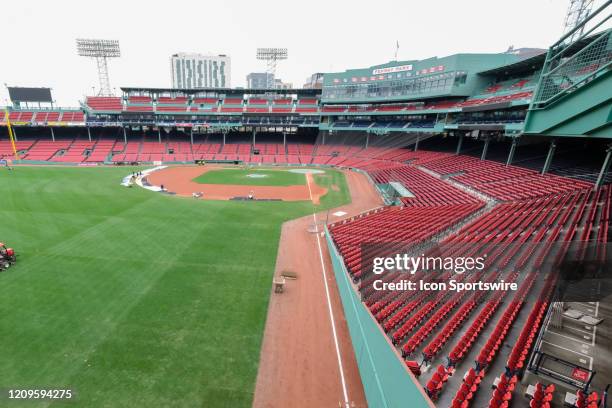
column 101, row 50
column 271, row 56
column 577, row 11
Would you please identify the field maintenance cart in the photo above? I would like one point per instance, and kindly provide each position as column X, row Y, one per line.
column 7, row 256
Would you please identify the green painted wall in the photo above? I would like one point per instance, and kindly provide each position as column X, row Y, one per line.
column 587, row 111
column 454, row 75
column 385, row 379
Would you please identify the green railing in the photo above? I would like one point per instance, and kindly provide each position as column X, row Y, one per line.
column 571, row 73
column 568, row 67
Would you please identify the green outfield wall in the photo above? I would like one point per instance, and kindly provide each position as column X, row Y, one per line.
column 386, row 381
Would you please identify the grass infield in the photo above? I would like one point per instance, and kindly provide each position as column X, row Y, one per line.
column 133, row 298
column 251, row 177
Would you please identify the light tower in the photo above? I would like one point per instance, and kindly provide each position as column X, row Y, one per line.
column 577, row 11
column 101, row 50
column 271, row 56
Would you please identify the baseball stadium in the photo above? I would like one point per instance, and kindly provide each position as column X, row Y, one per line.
column 236, row 247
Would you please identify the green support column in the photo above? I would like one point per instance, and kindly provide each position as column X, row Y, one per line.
column 367, row 140
column 124, row 136
column 191, row 134
column 52, row 134
column 485, row 148
column 512, row 150
column 459, row 144
column 254, row 135
column 604, row 169
column 416, row 144
column 89, row 133
column 159, row 134
column 549, row 157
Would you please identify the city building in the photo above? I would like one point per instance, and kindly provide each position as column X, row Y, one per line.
column 315, row 81
column 262, row 80
column 279, row 84
column 259, row 80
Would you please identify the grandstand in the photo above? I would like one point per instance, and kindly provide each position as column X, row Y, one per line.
column 480, row 96
column 474, row 154
column 531, row 209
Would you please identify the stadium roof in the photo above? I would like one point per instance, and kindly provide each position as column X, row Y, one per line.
column 537, row 61
column 526, row 65
column 226, row 91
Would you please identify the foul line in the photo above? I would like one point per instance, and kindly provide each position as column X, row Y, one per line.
column 329, row 306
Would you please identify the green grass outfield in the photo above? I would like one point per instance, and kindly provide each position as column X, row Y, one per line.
column 267, row 177
column 134, row 298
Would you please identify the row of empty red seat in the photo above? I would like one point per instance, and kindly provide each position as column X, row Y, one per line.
column 104, row 103
column 52, row 116
column 543, row 396
column 179, row 100
column 509, row 86
column 66, row 151
column 465, row 394
column 6, row 149
column 427, row 190
column 100, row 151
column 224, row 108
column 139, row 99
column 45, row 150
column 395, row 225
column 518, row 96
column 574, row 214
column 75, row 153
column 442, row 105
column 181, row 104
column 454, row 324
column 44, row 116
column 502, row 394
column 289, row 153
column 557, row 210
column 586, row 399
column 500, row 181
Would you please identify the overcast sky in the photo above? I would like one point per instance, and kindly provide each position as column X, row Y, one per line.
column 38, row 41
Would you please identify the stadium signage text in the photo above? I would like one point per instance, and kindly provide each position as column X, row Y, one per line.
column 389, row 70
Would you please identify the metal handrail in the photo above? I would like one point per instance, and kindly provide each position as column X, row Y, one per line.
column 579, row 53
column 573, row 86
column 541, row 97
column 557, row 51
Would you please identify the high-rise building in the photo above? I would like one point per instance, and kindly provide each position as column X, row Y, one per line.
column 263, row 80
column 259, row 80
column 200, row 71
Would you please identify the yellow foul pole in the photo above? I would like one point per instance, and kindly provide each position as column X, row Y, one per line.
column 10, row 132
